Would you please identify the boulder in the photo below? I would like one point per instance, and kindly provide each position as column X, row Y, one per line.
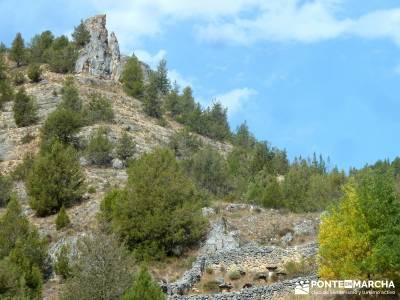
column 117, row 163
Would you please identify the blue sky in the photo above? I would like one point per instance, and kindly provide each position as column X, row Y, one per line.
column 309, row 76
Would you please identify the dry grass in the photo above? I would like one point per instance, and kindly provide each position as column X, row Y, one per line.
column 265, row 227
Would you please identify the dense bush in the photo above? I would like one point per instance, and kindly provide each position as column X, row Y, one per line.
column 62, row 265
column 40, row 43
column 102, row 271
column 265, row 190
column 99, row 148
column 34, row 72
column 144, row 288
column 62, row 219
column 23, row 256
column 22, row 170
column 70, row 96
column 81, row 35
column 5, row 190
column 210, row 171
column 125, row 147
column 184, row 144
column 6, row 93
column 55, row 179
column 62, row 125
column 25, row 109
column 367, row 221
column 61, row 55
column 132, row 78
column 157, row 213
column 19, row 78
column 99, row 109
column 234, row 275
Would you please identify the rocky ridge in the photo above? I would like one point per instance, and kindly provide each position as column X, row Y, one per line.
column 101, row 56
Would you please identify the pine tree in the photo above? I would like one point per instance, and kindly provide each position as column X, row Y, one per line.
column 25, row 109
column 144, row 288
column 62, row 55
column 17, row 52
column 34, row 72
column 62, row 219
column 132, row 78
column 151, row 100
column 163, row 83
column 56, row 179
column 99, row 147
column 23, row 256
column 81, row 35
column 172, row 102
column 62, row 125
column 163, row 201
column 6, row 93
column 39, row 45
column 102, row 270
column 70, row 96
column 125, row 147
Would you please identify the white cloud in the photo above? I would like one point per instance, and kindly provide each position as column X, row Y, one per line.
column 174, row 75
column 148, row 58
column 246, row 21
column 236, row 99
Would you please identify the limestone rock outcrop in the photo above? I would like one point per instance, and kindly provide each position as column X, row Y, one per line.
column 101, row 56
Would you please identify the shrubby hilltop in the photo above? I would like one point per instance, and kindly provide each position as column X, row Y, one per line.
column 116, row 184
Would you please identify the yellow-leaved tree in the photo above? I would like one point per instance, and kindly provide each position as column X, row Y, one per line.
column 344, row 238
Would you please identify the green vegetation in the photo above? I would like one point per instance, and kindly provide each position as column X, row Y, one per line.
column 25, row 109
column 61, row 55
column 55, row 179
column 151, row 100
column 18, row 51
column 125, row 147
column 19, row 78
column 81, row 35
column 34, row 72
column 234, row 275
column 99, row 109
column 132, row 78
column 39, row 45
column 209, row 170
column 211, row 286
column 62, row 219
column 99, row 147
column 6, row 93
column 22, row 256
column 61, row 125
column 5, row 190
column 102, row 271
column 359, row 236
column 70, row 96
column 162, row 82
column 62, row 265
column 144, row 288
column 157, row 212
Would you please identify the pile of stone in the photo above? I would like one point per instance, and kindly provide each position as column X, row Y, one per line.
column 271, row 291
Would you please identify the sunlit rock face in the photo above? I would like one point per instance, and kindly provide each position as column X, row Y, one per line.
column 101, row 56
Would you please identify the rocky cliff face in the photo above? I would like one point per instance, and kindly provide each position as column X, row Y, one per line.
column 101, row 56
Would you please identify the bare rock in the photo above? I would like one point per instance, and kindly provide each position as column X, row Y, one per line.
column 101, row 56
column 117, row 163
